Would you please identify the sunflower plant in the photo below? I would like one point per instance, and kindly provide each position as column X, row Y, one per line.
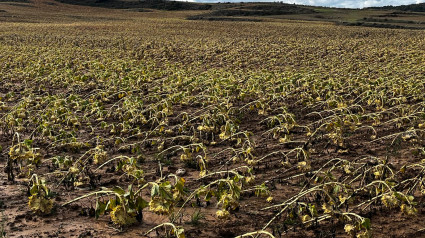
column 40, row 199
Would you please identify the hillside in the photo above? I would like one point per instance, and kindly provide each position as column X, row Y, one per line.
column 411, row 7
column 136, row 4
column 402, row 17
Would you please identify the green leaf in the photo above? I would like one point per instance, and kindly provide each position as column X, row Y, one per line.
column 166, row 185
column 34, row 190
column 313, row 210
column 180, row 233
column 100, row 209
column 399, row 196
column 180, row 185
column 141, row 203
column 390, row 183
column 118, row 191
column 112, row 203
column 154, row 190
column 337, row 188
column 165, row 194
column 208, row 196
column 129, row 192
column 250, row 170
column 237, row 178
column 366, row 223
column 28, row 142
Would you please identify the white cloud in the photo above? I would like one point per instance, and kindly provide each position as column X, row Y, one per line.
column 333, row 3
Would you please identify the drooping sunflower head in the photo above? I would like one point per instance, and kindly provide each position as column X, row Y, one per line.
column 160, row 206
column 222, row 214
column 40, row 204
column 120, row 217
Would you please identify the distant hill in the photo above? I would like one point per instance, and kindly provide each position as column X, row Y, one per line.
column 420, row 7
column 393, row 17
column 151, row 4
column 219, row 9
column 266, row 8
column 253, row 10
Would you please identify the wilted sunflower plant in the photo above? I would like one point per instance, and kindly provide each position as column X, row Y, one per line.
column 40, row 199
column 126, row 207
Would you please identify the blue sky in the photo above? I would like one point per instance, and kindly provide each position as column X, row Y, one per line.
column 333, row 3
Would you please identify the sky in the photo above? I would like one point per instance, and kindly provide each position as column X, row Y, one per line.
column 332, row 3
